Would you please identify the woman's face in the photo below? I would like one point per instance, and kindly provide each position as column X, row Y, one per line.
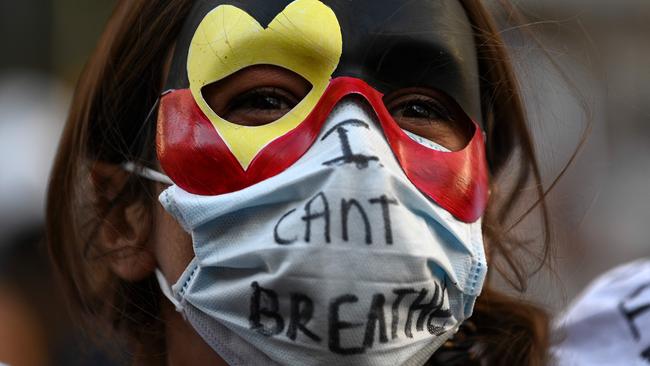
column 418, row 54
column 303, row 138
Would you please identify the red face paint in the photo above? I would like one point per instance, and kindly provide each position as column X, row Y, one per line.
column 198, row 160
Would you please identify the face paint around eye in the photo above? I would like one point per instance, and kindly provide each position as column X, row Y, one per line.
column 229, row 39
column 206, row 160
column 431, row 115
column 455, row 180
column 256, row 95
column 394, row 45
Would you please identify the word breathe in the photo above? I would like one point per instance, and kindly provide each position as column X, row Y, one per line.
column 318, row 209
column 419, row 316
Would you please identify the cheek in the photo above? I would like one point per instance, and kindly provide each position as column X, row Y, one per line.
column 172, row 245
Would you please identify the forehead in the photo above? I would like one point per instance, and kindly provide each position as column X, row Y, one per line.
column 388, row 43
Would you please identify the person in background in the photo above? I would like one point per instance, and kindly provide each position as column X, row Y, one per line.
column 609, row 323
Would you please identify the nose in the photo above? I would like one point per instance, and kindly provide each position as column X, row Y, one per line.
column 354, row 125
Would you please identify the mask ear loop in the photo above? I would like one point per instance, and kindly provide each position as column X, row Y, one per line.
column 141, row 170
column 147, row 173
column 167, row 290
column 156, row 176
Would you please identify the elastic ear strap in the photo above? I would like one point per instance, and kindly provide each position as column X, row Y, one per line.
column 167, row 290
column 147, row 173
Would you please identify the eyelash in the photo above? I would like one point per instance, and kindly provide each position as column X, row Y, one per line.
column 282, row 95
column 437, row 110
column 435, row 107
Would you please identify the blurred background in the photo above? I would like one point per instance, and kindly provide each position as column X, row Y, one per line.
column 589, row 71
column 44, row 47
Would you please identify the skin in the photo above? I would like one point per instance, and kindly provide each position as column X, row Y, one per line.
column 173, row 252
column 254, row 96
column 165, row 246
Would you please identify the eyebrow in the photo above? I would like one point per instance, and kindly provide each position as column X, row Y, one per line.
column 416, row 52
column 398, row 60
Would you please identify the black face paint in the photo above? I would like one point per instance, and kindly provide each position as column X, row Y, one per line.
column 389, row 44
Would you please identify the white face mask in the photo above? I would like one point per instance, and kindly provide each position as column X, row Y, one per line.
column 339, row 260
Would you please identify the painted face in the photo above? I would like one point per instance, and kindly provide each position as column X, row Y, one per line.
column 368, row 48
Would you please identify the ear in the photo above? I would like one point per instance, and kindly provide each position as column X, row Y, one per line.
column 123, row 232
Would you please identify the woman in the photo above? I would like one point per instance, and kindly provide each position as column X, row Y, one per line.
column 328, row 159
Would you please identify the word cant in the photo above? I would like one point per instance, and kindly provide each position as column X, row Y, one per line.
column 317, row 210
column 410, row 311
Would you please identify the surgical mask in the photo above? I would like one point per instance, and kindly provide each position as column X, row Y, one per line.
column 337, row 260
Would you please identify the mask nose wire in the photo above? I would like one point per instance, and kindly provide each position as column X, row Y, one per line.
column 358, row 114
column 139, row 169
column 367, row 115
column 356, row 126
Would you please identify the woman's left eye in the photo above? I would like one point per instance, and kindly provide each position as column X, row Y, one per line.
column 419, row 107
column 428, row 116
column 264, row 99
column 260, row 106
column 256, row 95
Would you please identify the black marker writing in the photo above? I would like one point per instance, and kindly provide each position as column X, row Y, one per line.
column 302, row 309
column 375, row 316
column 336, row 326
column 424, row 309
column 317, row 210
column 276, row 235
column 385, row 203
column 361, row 161
column 438, row 313
column 267, row 318
column 401, row 293
column 310, row 216
column 646, row 354
column 631, row 314
column 346, row 205
column 264, row 302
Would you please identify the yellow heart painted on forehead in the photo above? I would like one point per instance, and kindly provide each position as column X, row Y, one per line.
column 305, row 38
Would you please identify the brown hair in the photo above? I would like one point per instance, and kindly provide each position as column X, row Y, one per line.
column 109, row 122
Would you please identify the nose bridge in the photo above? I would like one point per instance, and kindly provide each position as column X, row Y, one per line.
column 354, row 89
column 355, row 107
column 355, row 124
column 353, row 99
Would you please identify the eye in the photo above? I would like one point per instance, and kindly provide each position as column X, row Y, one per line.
column 256, row 95
column 421, row 108
column 260, row 106
column 430, row 115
